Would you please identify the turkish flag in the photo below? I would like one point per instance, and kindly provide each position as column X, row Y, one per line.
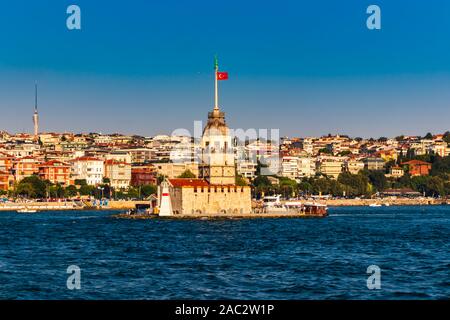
column 222, row 75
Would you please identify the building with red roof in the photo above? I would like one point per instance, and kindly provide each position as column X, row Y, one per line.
column 142, row 175
column 55, row 171
column 418, row 167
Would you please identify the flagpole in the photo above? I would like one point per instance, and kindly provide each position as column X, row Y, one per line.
column 216, row 90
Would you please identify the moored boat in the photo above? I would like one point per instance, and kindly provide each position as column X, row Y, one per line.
column 374, row 205
column 273, row 205
column 26, row 210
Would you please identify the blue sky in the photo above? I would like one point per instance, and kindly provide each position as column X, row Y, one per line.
column 306, row 67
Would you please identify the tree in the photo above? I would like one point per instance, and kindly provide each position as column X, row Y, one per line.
column 404, row 181
column 26, row 189
column 377, row 179
column 441, row 167
column 354, row 184
column 305, row 186
column 147, row 190
column 80, row 182
column 133, row 193
column 419, row 183
column 325, row 150
column 86, row 190
column 325, row 185
column 56, row 191
column 434, row 187
column 428, row 136
column 447, row 136
column 70, row 191
column 287, row 186
column 240, row 181
column 187, row 174
column 260, row 181
column 262, row 184
column 38, row 185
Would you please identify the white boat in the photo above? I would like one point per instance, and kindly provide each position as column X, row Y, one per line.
column 272, row 204
column 374, row 205
column 26, row 210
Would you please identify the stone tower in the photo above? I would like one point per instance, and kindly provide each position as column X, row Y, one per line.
column 217, row 158
column 217, row 161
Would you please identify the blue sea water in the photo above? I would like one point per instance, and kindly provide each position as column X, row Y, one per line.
column 228, row 259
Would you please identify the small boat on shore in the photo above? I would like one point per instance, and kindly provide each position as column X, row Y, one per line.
column 374, row 205
column 26, row 210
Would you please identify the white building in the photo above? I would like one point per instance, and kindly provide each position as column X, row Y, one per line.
column 306, row 167
column 119, row 155
column 296, row 167
column 247, row 169
column 89, row 169
column 289, row 167
column 118, row 173
column 103, row 139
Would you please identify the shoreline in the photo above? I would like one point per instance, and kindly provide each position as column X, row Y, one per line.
column 217, row 216
column 126, row 205
column 391, row 201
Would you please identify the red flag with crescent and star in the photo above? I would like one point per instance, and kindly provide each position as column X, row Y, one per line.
column 222, row 75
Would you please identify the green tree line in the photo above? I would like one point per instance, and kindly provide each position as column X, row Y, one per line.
column 34, row 187
column 365, row 183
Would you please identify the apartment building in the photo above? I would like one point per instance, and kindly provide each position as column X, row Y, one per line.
column 25, row 167
column 353, row 166
column 88, row 168
column 55, row 171
column 118, row 173
column 330, row 166
column 247, row 169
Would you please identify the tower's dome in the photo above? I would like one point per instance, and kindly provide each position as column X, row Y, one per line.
column 216, row 124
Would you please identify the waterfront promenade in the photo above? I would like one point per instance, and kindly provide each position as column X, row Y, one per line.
column 69, row 205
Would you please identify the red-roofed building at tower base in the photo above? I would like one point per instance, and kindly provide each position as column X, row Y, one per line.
column 417, row 167
column 197, row 196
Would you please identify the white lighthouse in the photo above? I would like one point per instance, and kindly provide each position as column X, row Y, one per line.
column 36, row 115
column 165, row 207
